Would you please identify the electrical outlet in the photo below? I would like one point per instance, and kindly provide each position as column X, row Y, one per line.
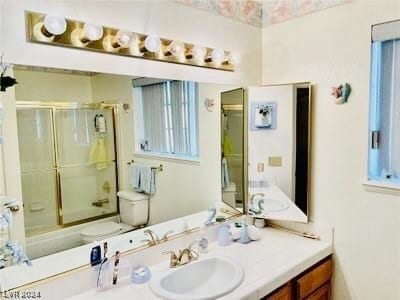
column 275, row 161
column 260, row 167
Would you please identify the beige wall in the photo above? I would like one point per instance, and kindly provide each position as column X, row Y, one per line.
column 329, row 48
column 50, row 86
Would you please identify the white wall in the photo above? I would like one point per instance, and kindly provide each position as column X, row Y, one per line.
column 329, row 48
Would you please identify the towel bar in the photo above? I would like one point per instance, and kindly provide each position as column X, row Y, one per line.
column 159, row 168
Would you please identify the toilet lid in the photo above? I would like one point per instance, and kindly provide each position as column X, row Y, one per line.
column 101, row 229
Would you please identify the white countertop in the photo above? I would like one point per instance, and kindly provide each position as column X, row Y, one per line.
column 268, row 263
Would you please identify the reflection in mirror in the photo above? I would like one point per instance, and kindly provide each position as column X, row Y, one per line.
column 104, row 154
column 233, row 148
column 279, row 150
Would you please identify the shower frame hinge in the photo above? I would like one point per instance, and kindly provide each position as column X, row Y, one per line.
column 375, row 139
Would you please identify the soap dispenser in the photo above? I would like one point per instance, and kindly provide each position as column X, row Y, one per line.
column 244, row 235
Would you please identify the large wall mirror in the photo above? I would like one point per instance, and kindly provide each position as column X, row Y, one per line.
column 270, row 127
column 104, row 154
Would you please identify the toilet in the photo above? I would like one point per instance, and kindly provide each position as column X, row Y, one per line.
column 133, row 209
column 229, row 194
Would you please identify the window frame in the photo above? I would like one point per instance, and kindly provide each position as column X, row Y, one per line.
column 139, row 123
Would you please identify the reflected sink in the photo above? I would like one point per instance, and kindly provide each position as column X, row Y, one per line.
column 205, row 279
column 262, row 204
column 268, row 204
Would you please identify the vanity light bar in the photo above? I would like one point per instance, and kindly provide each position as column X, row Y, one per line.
column 59, row 31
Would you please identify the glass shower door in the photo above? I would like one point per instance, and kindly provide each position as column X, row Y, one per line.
column 87, row 165
column 39, row 184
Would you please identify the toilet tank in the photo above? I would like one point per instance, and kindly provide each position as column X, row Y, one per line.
column 133, row 207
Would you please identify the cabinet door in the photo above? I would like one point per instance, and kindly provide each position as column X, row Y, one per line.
column 313, row 279
column 323, row 293
column 283, row 293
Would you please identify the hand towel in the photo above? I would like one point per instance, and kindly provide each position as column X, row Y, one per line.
column 98, row 153
column 142, row 178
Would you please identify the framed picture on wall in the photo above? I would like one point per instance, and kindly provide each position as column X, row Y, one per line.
column 263, row 116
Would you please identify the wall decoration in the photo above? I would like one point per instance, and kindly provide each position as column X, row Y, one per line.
column 262, row 13
column 263, row 116
column 341, row 93
column 209, row 104
column 5, row 81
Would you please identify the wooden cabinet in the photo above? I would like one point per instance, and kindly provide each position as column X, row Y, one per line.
column 313, row 284
column 283, row 293
column 322, row 293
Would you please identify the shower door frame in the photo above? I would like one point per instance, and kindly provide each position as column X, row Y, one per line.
column 53, row 107
column 243, row 107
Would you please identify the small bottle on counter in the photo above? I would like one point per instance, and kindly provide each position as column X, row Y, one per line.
column 203, row 239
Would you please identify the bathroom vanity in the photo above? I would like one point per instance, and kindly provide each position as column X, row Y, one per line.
column 312, row 284
column 278, row 266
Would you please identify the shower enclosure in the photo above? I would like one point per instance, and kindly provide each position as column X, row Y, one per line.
column 234, row 148
column 68, row 167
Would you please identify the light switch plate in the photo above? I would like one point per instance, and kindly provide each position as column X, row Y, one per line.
column 275, row 161
column 260, row 167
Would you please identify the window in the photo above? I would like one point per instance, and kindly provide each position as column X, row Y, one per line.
column 166, row 119
column 384, row 151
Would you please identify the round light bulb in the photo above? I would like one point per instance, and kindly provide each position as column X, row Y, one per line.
column 199, row 53
column 55, row 25
column 92, row 32
column 152, row 43
column 124, row 38
column 234, row 58
column 218, row 56
column 176, row 48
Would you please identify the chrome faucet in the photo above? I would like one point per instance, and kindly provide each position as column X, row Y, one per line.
column 153, row 238
column 254, row 195
column 184, row 256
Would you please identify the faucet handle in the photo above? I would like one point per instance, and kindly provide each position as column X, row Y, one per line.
column 174, row 261
column 186, row 256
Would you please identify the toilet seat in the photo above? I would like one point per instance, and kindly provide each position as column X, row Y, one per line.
column 100, row 230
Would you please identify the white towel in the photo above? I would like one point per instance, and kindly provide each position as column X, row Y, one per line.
column 142, row 178
column 224, row 173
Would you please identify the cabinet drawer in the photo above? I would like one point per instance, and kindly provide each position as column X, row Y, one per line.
column 282, row 293
column 323, row 293
column 313, row 279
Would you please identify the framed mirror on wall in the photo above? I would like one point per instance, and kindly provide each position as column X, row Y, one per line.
column 78, row 134
column 265, row 161
column 234, row 148
column 279, row 151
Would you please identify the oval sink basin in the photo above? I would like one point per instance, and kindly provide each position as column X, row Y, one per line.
column 262, row 204
column 268, row 204
column 205, row 279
